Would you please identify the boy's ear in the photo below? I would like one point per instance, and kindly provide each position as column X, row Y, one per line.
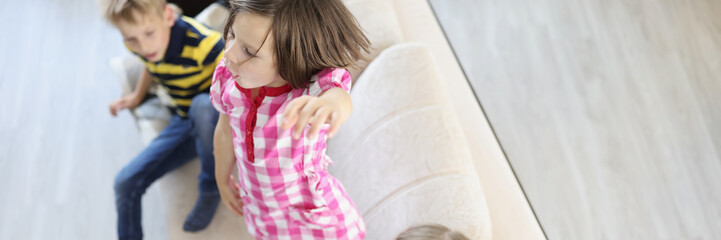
column 169, row 15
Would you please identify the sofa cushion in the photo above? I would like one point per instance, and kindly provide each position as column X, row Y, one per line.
column 402, row 156
column 378, row 21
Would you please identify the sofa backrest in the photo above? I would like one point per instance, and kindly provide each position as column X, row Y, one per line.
column 380, row 24
column 402, row 156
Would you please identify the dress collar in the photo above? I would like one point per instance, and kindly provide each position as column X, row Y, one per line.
column 266, row 91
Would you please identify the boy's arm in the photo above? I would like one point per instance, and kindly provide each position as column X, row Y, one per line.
column 224, row 160
column 141, row 88
column 333, row 106
column 133, row 99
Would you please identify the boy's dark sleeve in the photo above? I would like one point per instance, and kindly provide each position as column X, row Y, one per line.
column 214, row 52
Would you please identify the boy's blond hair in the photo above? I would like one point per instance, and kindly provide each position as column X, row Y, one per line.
column 430, row 232
column 123, row 10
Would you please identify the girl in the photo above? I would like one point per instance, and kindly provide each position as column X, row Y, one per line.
column 282, row 91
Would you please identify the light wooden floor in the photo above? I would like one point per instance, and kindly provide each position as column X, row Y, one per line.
column 609, row 110
column 59, row 146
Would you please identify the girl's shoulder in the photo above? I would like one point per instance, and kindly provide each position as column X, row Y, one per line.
column 221, row 75
column 328, row 78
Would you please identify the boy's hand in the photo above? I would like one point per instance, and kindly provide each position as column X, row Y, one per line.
column 230, row 194
column 315, row 111
column 128, row 101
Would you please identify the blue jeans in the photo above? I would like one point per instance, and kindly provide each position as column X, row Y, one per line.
column 181, row 141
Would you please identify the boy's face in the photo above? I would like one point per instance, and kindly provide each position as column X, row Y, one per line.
column 149, row 35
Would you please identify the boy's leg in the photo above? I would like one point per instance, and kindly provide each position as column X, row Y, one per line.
column 204, row 118
column 173, row 147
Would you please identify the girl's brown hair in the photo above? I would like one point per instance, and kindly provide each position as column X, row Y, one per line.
column 309, row 35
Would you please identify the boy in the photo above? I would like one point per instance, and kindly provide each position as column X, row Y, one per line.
column 181, row 54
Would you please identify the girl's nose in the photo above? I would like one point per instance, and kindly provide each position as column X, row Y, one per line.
column 230, row 52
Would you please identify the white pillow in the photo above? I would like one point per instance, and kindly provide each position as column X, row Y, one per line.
column 402, row 155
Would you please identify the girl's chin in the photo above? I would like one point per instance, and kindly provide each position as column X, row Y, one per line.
column 245, row 85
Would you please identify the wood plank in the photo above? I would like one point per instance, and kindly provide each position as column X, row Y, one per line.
column 608, row 110
column 59, row 147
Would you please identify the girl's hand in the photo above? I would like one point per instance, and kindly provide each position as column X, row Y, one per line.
column 315, row 111
column 127, row 101
column 230, row 194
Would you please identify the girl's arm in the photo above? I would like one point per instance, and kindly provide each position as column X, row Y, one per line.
column 333, row 106
column 224, row 160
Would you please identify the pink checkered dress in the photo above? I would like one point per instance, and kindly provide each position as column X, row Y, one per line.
column 285, row 188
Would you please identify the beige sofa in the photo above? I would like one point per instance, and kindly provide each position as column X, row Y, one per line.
column 417, row 148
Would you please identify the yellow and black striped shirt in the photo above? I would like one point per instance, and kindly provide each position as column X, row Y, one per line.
column 187, row 67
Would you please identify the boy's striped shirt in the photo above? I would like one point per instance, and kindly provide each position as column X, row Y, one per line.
column 187, row 67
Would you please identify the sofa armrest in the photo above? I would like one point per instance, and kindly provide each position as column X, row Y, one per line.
column 402, row 155
column 509, row 210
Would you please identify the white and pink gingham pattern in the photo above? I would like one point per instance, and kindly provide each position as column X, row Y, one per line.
column 285, row 188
